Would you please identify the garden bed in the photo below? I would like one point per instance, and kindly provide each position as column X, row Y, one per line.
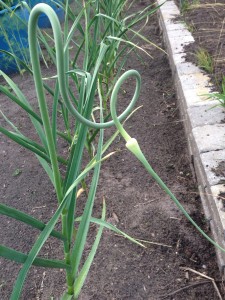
column 203, row 123
column 205, row 20
column 135, row 204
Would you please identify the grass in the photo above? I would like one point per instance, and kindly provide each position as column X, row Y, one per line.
column 190, row 27
column 204, row 60
column 186, row 5
column 5, row 4
column 219, row 96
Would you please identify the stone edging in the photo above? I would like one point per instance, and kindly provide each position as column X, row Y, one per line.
column 203, row 125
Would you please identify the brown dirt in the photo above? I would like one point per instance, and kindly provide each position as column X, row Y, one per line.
column 121, row 270
column 222, row 197
column 219, row 170
column 206, row 20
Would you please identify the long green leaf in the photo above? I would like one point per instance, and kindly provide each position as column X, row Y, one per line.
column 43, row 237
column 34, row 252
column 16, row 138
column 54, row 112
column 112, row 228
column 74, row 26
column 27, row 219
column 29, row 144
column 129, row 43
column 20, row 257
column 23, row 99
column 86, row 267
column 47, row 168
column 23, row 105
column 81, row 235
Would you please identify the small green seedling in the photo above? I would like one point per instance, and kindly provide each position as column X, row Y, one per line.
column 218, row 96
column 186, row 5
column 204, row 60
column 16, row 172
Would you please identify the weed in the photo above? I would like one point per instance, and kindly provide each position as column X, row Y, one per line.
column 190, row 27
column 219, row 96
column 204, row 60
column 186, row 5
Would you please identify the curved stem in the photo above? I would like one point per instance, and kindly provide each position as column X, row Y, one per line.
column 63, row 86
column 32, row 36
column 134, row 148
column 114, row 98
column 44, row 8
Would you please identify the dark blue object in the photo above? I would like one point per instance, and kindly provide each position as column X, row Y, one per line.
column 43, row 21
column 13, row 38
column 14, row 33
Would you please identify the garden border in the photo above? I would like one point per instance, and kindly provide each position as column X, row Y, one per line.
column 204, row 126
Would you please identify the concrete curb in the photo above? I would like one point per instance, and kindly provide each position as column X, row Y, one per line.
column 203, row 126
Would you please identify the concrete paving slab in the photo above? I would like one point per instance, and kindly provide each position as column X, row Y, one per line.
column 194, row 81
column 199, row 171
column 196, row 116
column 167, row 14
column 216, row 207
column 193, row 97
column 177, row 44
column 211, row 162
column 204, row 115
column 186, row 68
column 218, row 194
column 209, row 138
column 178, row 58
column 217, row 223
column 216, row 228
column 176, row 26
column 179, row 33
column 203, row 126
column 168, row 8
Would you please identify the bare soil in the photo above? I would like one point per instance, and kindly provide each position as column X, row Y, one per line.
column 121, row 270
column 206, row 20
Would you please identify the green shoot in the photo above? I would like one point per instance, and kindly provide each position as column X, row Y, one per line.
column 204, row 60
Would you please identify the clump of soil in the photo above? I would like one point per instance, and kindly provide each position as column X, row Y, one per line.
column 121, row 270
column 222, row 198
column 220, row 169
